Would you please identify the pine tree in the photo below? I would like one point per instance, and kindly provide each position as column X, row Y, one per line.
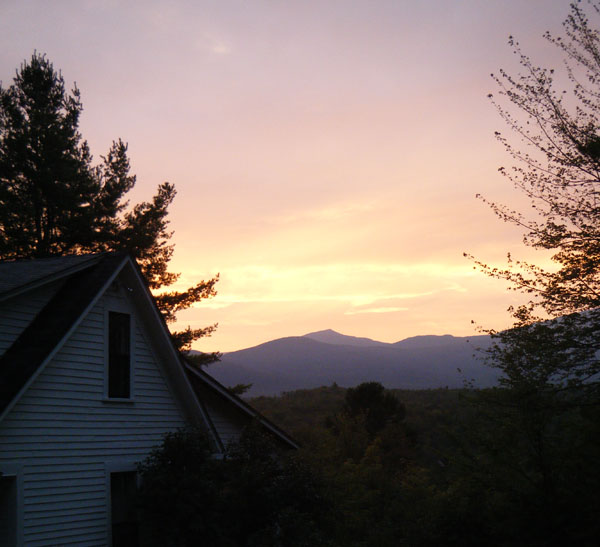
column 54, row 201
column 45, row 168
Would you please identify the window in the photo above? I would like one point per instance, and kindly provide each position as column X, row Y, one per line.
column 123, row 488
column 8, row 511
column 119, row 355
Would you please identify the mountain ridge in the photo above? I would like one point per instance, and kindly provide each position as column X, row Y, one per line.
column 324, row 357
column 329, row 336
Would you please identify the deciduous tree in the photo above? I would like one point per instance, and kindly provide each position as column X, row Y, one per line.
column 557, row 153
column 536, row 444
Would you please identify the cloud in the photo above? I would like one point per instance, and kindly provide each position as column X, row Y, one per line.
column 376, row 310
column 336, row 283
column 330, row 213
column 214, row 44
column 220, row 48
column 212, row 305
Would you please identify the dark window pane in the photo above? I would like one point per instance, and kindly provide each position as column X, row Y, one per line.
column 123, row 512
column 8, row 511
column 119, row 358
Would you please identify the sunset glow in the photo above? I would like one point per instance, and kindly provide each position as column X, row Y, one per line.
column 326, row 154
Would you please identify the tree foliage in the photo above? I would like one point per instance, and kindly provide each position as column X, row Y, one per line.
column 378, row 406
column 534, row 441
column 255, row 496
column 54, row 201
column 494, row 468
column 557, row 167
column 45, row 168
column 366, row 455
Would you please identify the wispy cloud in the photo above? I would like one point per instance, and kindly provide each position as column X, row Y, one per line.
column 221, row 302
column 329, row 213
column 213, row 43
column 343, row 284
column 213, row 304
column 376, row 310
column 220, row 48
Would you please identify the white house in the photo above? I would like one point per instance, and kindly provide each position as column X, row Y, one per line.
column 89, row 384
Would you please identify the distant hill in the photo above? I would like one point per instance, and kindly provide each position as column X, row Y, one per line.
column 419, row 342
column 324, row 357
column 331, row 337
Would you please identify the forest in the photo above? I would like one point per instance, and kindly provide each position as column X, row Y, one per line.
column 446, row 467
column 377, row 467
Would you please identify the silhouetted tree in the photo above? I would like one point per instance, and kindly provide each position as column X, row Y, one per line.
column 371, row 402
column 558, row 169
column 53, row 201
column 532, row 443
column 532, row 447
column 255, row 496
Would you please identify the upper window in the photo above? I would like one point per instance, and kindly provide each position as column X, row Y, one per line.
column 119, row 355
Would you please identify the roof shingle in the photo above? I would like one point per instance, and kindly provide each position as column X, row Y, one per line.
column 20, row 274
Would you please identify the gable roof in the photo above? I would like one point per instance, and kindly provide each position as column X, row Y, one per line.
column 19, row 276
column 88, row 276
column 42, row 336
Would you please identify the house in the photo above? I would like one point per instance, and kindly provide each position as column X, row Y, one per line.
column 89, row 383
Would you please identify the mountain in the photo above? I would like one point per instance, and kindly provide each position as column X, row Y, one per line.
column 324, row 357
column 331, row 337
column 419, row 342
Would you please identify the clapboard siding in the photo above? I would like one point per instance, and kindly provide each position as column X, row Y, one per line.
column 17, row 312
column 65, row 482
column 227, row 421
column 63, row 516
column 69, row 414
column 73, row 537
column 66, row 435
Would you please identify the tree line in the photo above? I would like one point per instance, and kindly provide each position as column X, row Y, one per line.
column 380, row 468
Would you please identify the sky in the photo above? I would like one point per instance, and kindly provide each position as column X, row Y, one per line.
column 326, row 154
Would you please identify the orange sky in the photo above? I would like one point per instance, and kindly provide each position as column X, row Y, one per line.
column 326, row 154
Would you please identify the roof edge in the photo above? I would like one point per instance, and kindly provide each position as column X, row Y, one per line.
column 173, row 353
column 68, row 271
column 221, row 390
